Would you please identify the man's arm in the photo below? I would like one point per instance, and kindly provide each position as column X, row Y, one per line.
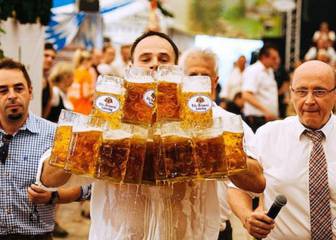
column 251, row 99
column 66, row 195
column 52, row 176
column 253, row 180
column 257, row 223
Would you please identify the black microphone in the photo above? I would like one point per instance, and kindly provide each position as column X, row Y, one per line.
column 278, row 203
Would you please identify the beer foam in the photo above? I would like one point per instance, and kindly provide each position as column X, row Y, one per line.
column 117, row 134
column 196, row 84
column 140, row 79
column 79, row 129
column 232, row 123
column 109, row 88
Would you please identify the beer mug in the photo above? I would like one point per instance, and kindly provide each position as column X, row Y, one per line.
column 140, row 96
column 196, row 111
column 109, row 99
column 159, row 168
column 210, row 151
column 169, row 79
column 114, row 153
column 234, row 145
column 136, row 159
column 177, row 152
column 61, row 146
column 86, row 141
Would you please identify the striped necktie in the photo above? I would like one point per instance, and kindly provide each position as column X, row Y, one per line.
column 319, row 195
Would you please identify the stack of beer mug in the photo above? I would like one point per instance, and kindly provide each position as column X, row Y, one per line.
column 147, row 129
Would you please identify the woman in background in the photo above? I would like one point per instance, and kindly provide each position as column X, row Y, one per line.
column 82, row 89
column 61, row 76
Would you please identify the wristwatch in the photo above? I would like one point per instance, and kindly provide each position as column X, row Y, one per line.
column 54, row 198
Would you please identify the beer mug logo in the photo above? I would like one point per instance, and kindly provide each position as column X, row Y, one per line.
column 149, row 98
column 199, row 103
column 108, row 104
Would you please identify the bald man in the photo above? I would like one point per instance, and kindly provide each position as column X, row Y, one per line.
column 298, row 157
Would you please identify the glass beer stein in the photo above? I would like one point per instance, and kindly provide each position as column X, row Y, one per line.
column 114, row 153
column 210, row 151
column 169, row 79
column 137, row 154
column 86, row 141
column 234, row 145
column 196, row 111
column 177, row 152
column 109, row 99
column 61, row 146
column 140, row 97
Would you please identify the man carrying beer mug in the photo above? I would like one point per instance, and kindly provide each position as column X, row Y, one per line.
column 147, row 212
column 26, row 210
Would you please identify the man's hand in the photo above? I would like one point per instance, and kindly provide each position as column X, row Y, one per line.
column 38, row 195
column 258, row 224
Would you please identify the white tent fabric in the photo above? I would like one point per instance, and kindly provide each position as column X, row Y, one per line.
column 66, row 20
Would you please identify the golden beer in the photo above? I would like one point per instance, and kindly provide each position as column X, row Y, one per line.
column 84, row 153
column 113, row 159
column 196, row 111
column 60, row 150
column 108, row 106
column 139, row 103
column 210, row 156
column 234, row 152
column 177, row 152
column 167, row 101
column 136, row 160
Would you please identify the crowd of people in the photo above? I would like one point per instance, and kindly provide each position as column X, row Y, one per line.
column 293, row 156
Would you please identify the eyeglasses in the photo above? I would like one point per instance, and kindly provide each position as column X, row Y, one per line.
column 4, row 148
column 319, row 93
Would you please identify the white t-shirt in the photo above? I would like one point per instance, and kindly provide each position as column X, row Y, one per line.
column 187, row 210
column 260, row 81
column 233, row 85
column 284, row 153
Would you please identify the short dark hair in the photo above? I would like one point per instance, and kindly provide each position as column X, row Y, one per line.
column 49, row 46
column 7, row 63
column 265, row 50
column 159, row 34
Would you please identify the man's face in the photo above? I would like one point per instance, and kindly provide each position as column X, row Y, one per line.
column 15, row 95
column 241, row 63
column 125, row 53
column 109, row 55
column 313, row 111
column 152, row 52
column 49, row 57
column 196, row 65
column 271, row 60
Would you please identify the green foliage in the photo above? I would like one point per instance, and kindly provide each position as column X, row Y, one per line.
column 26, row 11
column 205, row 14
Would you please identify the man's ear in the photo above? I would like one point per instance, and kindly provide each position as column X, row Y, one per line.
column 30, row 90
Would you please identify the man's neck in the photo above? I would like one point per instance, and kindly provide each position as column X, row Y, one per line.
column 11, row 127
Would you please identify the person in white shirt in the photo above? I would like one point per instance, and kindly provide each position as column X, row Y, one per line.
column 203, row 62
column 325, row 33
column 289, row 155
column 186, row 210
column 260, row 89
column 234, row 83
column 106, row 66
column 321, row 44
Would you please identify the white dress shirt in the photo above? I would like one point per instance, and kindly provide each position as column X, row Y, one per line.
column 284, row 153
column 233, row 85
column 183, row 211
column 260, row 81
